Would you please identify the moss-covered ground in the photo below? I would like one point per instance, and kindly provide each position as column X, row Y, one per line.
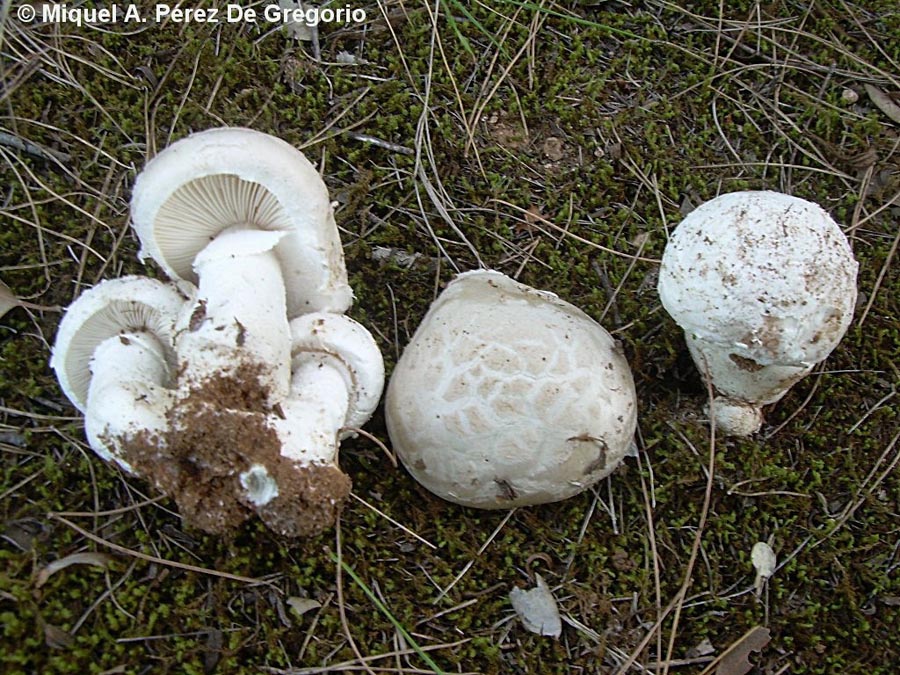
column 542, row 131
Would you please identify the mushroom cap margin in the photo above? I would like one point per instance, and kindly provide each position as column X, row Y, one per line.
column 113, row 306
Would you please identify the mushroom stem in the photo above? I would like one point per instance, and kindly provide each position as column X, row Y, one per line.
column 316, row 409
column 127, row 394
column 239, row 316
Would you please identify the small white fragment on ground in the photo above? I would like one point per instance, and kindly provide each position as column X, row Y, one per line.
column 705, row 648
column 849, row 96
column 299, row 30
column 764, row 561
column 537, row 609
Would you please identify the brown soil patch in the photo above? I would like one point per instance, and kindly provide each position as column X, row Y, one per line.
column 215, row 434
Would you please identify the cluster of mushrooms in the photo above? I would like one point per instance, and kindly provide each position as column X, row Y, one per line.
column 231, row 386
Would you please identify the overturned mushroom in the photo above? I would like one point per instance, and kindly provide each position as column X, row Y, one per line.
column 115, row 360
column 508, row 396
column 242, row 410
column 247, row 218
column 764, row 286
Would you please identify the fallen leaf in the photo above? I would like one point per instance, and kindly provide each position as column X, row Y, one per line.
column 537, row 609
column 299, row 30
column 884, row 103
column 301, row 606
column 87, row 558
column 57, row 638
column 705, row 648
column 735, row 661
column 215, row 640
column 7, row 299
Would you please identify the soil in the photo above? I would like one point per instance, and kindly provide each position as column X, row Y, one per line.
column 216, row 432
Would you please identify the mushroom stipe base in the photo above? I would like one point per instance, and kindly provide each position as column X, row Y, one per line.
column 215, row 434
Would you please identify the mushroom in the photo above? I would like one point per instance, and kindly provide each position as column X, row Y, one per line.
column 764, row 286
column 115, row 361
column 509, row 396
column 224, row 460
column 336, row 383
column 245, row 217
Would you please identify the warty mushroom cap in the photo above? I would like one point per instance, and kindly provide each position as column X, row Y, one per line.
column 509, row 396
column 112, row 307
column 769, row 277
column 226, row 177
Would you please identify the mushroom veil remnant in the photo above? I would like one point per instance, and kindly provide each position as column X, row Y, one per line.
column 509, row 396
column 242, row 390
column 764, row 286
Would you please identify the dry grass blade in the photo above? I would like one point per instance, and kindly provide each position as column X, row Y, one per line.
column 101, row 560
column 154, row 559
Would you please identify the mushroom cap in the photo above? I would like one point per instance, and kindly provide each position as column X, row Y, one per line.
column 354, row 348
column 226, row 177
column 111, row 307
column 768, row 277
column 508, row 396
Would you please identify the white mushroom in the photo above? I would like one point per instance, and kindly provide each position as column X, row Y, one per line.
column 508, row 396
column 114, row 359
column 336, row 383
column 247, row 218
column 764, row 286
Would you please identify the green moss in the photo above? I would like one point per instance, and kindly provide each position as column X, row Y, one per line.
column 667, row 112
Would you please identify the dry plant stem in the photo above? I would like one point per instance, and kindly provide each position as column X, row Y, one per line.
column 880, row 279
column 481, row 550
column 566, row 233
column 678, row 601
column 365, row 434
column 354, row 665
column 111, row 512
column 393, row 522
column 153, row 559
column 339, row 583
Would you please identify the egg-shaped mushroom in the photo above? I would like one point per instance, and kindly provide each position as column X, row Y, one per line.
column 509, row 396
column 764, row 286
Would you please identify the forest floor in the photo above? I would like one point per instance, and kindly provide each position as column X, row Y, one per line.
column 558, row 142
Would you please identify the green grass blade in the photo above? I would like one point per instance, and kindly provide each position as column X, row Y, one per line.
column 390, row 617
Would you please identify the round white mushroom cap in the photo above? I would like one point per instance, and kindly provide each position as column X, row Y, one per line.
column 508, row 396
column 112, row 307
column 220, row 178
column 769, row 277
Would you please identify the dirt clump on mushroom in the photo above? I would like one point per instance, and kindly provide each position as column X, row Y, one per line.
column 217, row 432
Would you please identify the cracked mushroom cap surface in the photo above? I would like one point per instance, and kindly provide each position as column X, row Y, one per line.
column 768, row 277
column 234, row 177
column 509, row 396
column 110, row 308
